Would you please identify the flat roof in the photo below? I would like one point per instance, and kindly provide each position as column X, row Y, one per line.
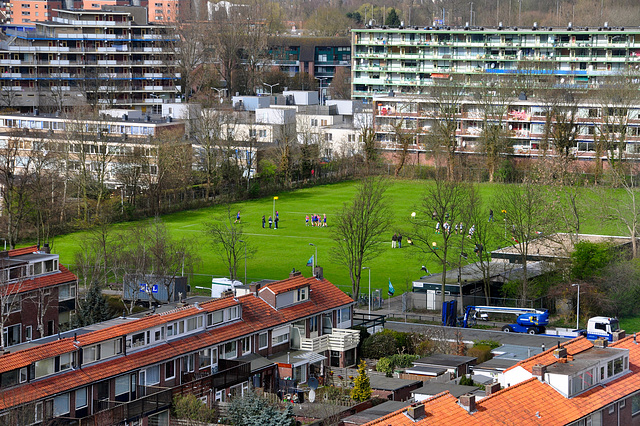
column 584, row 360
column 379, row 381
column 496, row 364
column 444, row 360
column 516, row 352
column 424, row 370
column 376, row 412
column 258, row 362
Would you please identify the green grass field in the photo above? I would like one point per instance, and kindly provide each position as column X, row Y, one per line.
column 278, row 251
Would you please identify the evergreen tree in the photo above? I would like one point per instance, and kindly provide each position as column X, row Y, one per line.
column 254, row 410
column 94, row 308
column 392, row 18
column 362, row 387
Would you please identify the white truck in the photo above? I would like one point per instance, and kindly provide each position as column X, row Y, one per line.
column 597, row 327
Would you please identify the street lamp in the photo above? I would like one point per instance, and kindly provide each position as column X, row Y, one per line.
column 321, row 79
column 274, row 209
column 366, row 267
column 271, row 86
column 245, row 260
column 577, row 306
column 315, row 259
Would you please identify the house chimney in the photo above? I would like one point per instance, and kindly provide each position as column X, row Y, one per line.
column 468, row 402
column 601, row 342
column 254, row 287
column 539, row 371
column 294, row 273
column 46, row 248
column 617, row 335
column 318, row 272
column 416, row 411
column 492, row 388
column 560, row 353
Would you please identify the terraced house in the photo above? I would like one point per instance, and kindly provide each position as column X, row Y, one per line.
column 127, row 370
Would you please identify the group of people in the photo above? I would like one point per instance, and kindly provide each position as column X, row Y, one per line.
column 396, row 241
column 316, row 220
column 271, row 221
column 458, row 229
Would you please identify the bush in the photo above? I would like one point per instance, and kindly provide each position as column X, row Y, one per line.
column 491, row 343
column 482, row 352
column 385, row 365
column 379, row 345
column 589, row 259
column 190, row 407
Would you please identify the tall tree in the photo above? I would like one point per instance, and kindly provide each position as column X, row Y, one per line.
column 227, row 236
column 494, row 139
column 445, row 201
column 359, row 227
column 529, row 213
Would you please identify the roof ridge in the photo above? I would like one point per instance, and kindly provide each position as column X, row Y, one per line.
column 618, row 342
column 501, row 391
column 403, row 409
column 548, row 351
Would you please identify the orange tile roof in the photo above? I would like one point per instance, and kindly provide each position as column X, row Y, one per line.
column 288, row 284
column 24, row 250
column 64, row 276
column 532, row 402
column 573, row 347
column 257, row 315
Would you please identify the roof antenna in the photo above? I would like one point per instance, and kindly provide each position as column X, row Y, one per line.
column 634, row 338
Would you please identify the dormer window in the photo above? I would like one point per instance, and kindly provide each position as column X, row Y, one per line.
column 302, row 294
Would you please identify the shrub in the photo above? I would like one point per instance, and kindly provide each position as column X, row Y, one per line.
column 378, row 345
column 491, row 343
column 482, row 352
column 385, row 365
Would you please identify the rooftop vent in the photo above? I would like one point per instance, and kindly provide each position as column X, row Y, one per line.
column 416, row 412
column 468, row 402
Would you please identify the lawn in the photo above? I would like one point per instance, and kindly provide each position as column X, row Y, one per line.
column 281, row 250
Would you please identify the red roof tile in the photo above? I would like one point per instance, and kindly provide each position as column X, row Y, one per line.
column 257, row 315
column 288, row 284
column 24, row 250
column 61, row 277
column 547, row 358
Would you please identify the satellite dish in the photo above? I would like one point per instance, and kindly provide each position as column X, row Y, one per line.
column 313, row 383
column 312, row 395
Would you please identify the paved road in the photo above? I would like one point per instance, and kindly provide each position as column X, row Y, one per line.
column 468, row 334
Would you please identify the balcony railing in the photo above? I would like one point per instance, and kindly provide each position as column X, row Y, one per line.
column 338, row 340
column 113, row 412
column 229, row 373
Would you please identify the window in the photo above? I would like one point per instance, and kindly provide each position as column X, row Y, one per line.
column 61, row 405
column 192, row 324
column 170, row 370
column 635, row 404
column 617, row 366
column 67, row 291
column 300, row 373
column 344, row 314
column 64, row 362
column 45, row 367
column 159, row 419
column 246, row 345
column 205, row 358
column 90, row 354
column 38, row 412
column 623, row 403
column 301, row 294
column 153, row 375
column 122, row 385
column 233, row 313
column 27, row 333
column 170, row 329
column 278, row 340
column 612, row 408
column 230, row 350
column 215, row 318
column 263, row 341
column 189, row 363
column 313, row 324
column 12, row 334
column 23, row 375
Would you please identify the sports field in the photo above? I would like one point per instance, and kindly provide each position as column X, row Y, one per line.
column 281, row 250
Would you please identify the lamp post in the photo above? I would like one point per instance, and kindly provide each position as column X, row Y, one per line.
column 315, row 259
column 271, row 86
column 366, row 267
column 321, row 79
column 245, row 260
column 577, row 306
column 274, row 208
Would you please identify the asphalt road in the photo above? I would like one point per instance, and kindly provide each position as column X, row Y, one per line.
column 470, row 334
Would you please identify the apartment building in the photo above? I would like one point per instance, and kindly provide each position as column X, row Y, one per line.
column 128, row 369
column 526, row 123
column 577, row 383
column 111, row 57
column 27, row 12
column 316, row 56
column 407, row 59
column 102, row 145
column 38, row 294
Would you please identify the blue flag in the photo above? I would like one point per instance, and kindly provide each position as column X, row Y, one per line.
column 391, row 289
column 310, row 261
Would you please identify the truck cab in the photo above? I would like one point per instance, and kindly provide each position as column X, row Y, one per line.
column 602, row 327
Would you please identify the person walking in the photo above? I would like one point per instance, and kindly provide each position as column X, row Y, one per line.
column 399, row 240
column 324, row 220
column 394, row 240
column 237, row 218
column 277, row 219
column 437, row 227
column 263, row 221
column 306, row 221
column 270, row 222
column 490, row 215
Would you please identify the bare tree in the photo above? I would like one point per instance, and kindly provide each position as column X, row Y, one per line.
column 529, row 212
column 445, row 201
column 494, row 139
column 358, row 228
column 10, row 301
column 227, row 236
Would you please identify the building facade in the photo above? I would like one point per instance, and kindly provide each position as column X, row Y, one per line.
column 38, row 294
column 110, row 57
column 128, row 370
column 406, row 60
